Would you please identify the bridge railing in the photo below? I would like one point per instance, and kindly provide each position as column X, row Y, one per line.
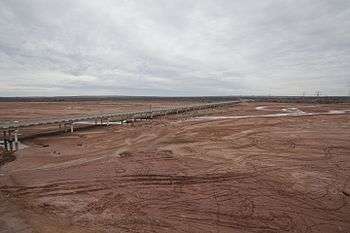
column 115, row 116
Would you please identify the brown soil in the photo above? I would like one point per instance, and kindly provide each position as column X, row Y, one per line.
column 10, row 111
column 277, row 174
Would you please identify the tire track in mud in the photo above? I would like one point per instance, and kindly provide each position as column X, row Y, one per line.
column 173, row 180
column 96, row 185
column 245, row 220
column 77, row 187
column 140, row 176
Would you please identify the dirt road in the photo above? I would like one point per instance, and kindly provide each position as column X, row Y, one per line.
column 218, row 174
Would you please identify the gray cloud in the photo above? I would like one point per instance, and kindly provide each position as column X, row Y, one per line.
column 223, row 47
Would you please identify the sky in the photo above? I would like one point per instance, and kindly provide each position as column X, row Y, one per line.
column 174, row 48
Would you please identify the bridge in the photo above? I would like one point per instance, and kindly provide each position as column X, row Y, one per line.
column 11, row 129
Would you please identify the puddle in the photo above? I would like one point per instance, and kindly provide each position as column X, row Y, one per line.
column 288, row 112
column 293, row 110
column 338, row 111
column 260, row 107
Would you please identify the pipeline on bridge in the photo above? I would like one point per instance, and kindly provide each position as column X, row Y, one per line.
column 11, row 130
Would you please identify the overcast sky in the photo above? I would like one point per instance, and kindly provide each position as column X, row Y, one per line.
column 174, row 48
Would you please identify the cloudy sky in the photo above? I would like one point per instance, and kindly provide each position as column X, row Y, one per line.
column 174, row 48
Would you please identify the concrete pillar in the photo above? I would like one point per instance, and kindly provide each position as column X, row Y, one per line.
column 5, row 140
column 10, row 140
column 16, row 140
column 71, row 127
column 10, row 145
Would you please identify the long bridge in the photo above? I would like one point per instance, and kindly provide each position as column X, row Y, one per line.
column 11, row 129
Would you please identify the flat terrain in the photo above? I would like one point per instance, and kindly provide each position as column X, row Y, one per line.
column 29, row 111
column 253, row 167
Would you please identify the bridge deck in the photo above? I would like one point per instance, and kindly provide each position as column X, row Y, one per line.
column 116, row 116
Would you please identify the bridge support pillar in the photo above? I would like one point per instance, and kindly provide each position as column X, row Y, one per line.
column 5, row 140
column 16, row 140
column 10, row 142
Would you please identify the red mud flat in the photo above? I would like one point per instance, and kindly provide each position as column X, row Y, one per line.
column 10, row 111
column 262, row 174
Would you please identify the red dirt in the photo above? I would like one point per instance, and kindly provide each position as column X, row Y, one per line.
column 278, row 174
column 45, row 110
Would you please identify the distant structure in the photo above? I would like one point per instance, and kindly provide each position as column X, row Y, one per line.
column 11, row 129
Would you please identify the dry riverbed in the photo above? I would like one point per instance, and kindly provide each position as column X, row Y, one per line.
column 276, row 168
